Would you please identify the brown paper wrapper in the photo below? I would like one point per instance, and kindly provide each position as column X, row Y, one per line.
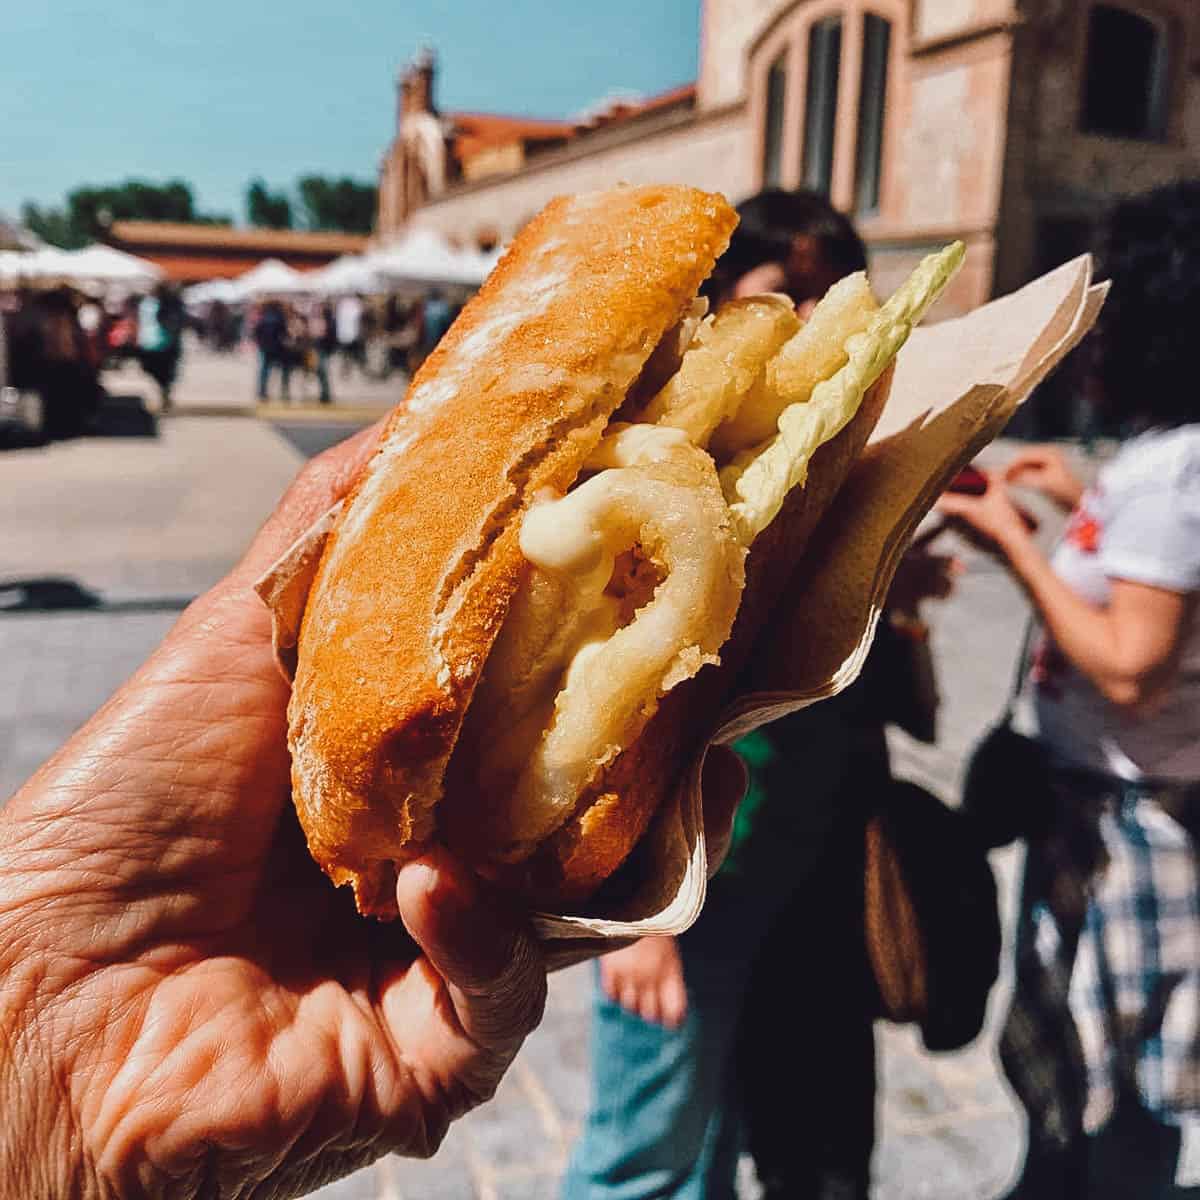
column 956, row 384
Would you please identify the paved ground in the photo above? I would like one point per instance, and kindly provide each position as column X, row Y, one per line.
column 156, row 519
column 225, row 383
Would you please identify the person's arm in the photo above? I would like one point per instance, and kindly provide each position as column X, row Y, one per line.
column 1128, row 648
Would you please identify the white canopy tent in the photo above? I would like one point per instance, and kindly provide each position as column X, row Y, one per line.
column 271, row 278
column 46, row 263
column 225, row 290
column 425, row 257
column 93, row 265
column 106, row 264
column 350, row 273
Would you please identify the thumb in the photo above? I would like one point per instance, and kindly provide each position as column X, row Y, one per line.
column 477, row 943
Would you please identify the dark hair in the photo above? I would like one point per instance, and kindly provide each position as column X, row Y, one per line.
column 770, row 221
column 1150, row 326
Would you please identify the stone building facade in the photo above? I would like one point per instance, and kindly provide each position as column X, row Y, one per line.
column 1011, row 124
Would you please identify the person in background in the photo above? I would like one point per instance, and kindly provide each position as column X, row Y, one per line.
column 270, row 332
column 66, row 374
column 669, row 1017
column 438, row 318
column 298, row 349
column 1102, row 1043
column 160, row 339
column 348, row 325
column 323, row 339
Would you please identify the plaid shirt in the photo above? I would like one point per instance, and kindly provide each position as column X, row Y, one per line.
column 1107, row 991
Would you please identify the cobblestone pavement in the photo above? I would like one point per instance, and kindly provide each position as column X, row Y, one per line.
column 160, row 518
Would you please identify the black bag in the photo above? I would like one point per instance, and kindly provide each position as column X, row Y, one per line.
column 1007, row 792
column 932, row 921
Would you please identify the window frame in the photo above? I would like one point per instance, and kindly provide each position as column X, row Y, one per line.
column 788, row 31
column 1164, row 24
column 1167, row 16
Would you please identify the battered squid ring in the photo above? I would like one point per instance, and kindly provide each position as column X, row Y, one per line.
column 572, row 686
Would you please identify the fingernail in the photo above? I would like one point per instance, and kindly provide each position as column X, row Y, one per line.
column 446, row 886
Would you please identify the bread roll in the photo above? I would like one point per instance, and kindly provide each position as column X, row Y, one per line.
column 420, row 568
column 595, row 586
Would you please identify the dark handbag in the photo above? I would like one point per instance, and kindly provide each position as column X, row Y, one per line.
column 931, row 917
column 1007, row 793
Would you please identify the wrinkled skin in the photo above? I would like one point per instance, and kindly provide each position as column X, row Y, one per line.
column 187, row 1007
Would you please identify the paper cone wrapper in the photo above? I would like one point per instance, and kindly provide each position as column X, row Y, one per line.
column 955, row 386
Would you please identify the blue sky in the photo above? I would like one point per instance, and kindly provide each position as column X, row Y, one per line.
column 219, row 91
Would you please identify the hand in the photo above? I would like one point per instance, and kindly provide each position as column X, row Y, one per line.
column 1045, row 469
column 187, row 1007
column 646, row 979
column 922, row 575
column 992, row 521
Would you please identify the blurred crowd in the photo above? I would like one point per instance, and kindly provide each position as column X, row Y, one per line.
column 58, row 340
column 374, row 336
column 55, row 342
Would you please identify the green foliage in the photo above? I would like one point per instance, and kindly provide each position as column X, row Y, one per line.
column 267, row 209
column 343, row 204
column 322, row 203
column 52, row 225
column 90, row 209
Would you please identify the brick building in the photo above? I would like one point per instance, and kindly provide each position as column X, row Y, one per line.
column 1011, row 124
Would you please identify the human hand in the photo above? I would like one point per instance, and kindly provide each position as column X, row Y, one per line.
column 922, row 575
column 646, row 979
column 187, row 1006
column 1045, row 469
column 991, row 521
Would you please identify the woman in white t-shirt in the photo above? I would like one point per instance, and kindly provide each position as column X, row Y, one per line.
column 1102, row 1045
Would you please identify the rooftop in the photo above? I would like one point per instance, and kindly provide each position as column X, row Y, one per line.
column 264, row 241
column 473, row 132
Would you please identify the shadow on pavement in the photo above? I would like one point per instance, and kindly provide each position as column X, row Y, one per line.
column 115, row 417
column 53, row 593
column 122, row 416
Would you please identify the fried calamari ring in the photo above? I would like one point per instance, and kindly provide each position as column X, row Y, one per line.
column 722, row 365
column 567, row 686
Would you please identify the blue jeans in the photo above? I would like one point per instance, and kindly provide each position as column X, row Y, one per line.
column 663, row 1119
column 266, row 362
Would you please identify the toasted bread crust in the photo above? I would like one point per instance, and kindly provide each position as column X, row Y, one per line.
column 609, row 821
column 419, row 571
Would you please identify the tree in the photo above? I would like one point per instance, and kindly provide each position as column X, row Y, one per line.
column 52, row 225
column 91, row 208
column 267, row 209
column 343, row 204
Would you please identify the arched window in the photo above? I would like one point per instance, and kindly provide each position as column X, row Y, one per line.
column 772, row 164
column 820, row 102
column 822, row 71
column 1126, row 75
column 872, row 100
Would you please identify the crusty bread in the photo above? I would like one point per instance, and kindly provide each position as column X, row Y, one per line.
column 612, row 816
column 421, row 566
